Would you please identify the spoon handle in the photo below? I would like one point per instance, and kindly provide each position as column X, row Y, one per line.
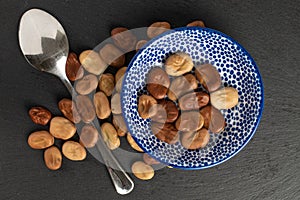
column 119, row 177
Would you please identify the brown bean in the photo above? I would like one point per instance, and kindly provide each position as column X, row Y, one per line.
column 195, row 140
column 193, row 101
column 119, row 78
column 124, row 38
column 87, row 84
column 140, row 44
column 62, row 128
column 165, row 132
column 208, row 76
column 110, row 136
column 120, row 124
column 224, row 98
column 213, row 119
column 40, row 115
column 199, row 23
column 107, row 84
column 149, row 160
column 167, row 112
column 121, row 133
column 73, row 151
column 147, row 106
column 157, row 28
column 92, row 62
column 69, row 110
column 40, row 140
column 102, row 105
column 89, row 136
column 142, row 171
column 189, row 121
column 182, row 85
column 85, row 108
column 112, row 55
column 116, row 104
column 158, row 83
column 73, row 69
column 133, row 144
column 120, row 73
column 178, row 64
column 53, row 158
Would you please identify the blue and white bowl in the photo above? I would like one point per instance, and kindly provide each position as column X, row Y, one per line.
column 237, row 69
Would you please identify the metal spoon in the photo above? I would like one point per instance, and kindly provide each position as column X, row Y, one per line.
column 45, row 46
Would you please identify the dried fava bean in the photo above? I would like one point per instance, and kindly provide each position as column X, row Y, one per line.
column 119, row 123
column 124, row 38
column 119, row 78
column 92, row 62
column 178, row 64
column 87, row 84
column 142, row 171
column 140, row 44
column 213, row 119
column 116, row 104
column 120, row 132
column 69, row 110
column 157, row 28
column 166, row 112
column 89, row 136
column 101, row 105
column 53, row 158
column 182, row 85
column 195, row 140
column 133, row 144
column 107, row 84
column 85, row 108
column 147, row 106
column 40, row 140
column 224, row 98
column 189, row 121
column 199, row 23
column 112, row 55
column 149, row 160
column 73, row 69
column 208, row 76
column 40, row 115
column 158, row 83
column 193, row 101
column 165, row 132
column 110, row 136
column 73, row 151
column 62, row 128
column 120, row 73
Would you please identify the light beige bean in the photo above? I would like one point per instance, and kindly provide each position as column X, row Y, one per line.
column 142, row 171
column 73, row 151
column 102, row 105
column 116, row 104
column 133, row 144
column 87, row 84
column 62, row 128
column 92, row 62
column 110, row 136
column 53, row 158
column 224, row 98
column 40, row 140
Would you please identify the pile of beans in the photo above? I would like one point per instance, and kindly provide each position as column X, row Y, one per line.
column 94, row 78
column 178, row 108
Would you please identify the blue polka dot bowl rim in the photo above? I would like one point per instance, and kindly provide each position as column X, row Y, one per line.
column 236, row 68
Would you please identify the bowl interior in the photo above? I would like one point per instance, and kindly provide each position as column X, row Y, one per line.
column 237, row 69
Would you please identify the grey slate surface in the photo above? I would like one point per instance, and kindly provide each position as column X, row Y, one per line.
column 267, row 168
